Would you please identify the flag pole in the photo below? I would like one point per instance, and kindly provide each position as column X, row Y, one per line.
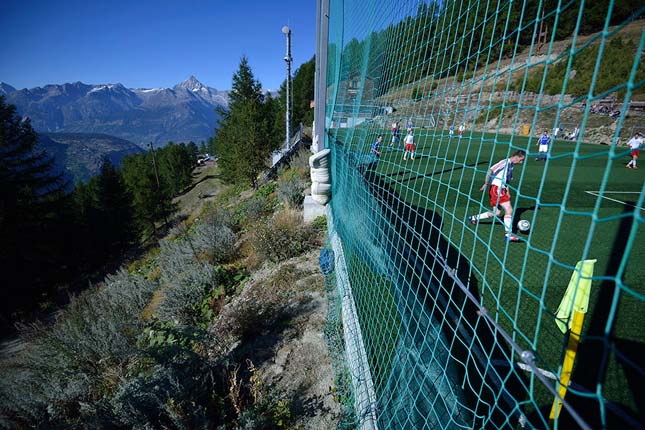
column 569, row 359
column 571, row 315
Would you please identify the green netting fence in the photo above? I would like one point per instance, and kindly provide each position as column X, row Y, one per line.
column 446, row 323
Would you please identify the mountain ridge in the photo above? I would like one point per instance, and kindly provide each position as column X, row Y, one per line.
column 186, row 112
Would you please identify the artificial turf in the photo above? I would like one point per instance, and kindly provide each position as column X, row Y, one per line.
column 582, row 204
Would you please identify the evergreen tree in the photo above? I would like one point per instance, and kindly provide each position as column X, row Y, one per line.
column 303, row 93
column 245, row 87
column 114, row 207
column 275, row 119
column 34, row 213
column 244, row 140
column 152, row 201
column 193, row 152
column 175, row 167
column 105, row 216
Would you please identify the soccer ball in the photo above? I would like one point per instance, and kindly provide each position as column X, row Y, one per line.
column 523, row 225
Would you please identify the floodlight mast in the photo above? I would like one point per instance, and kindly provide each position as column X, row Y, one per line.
column 287, row 31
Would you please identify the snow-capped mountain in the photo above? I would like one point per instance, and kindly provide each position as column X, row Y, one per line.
column 202, row 91
column 6, row 89
column 183, row 113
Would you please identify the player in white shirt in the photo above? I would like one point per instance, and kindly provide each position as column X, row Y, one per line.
column 635, row 146
column 498, row 177
column 409, row 145
column 395, row 134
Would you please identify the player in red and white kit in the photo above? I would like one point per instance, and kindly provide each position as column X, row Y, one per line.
column 498, row 177
column 635, row 146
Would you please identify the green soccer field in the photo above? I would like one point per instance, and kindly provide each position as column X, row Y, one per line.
column 582, row 204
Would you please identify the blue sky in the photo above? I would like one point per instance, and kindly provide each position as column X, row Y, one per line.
column 151, row 43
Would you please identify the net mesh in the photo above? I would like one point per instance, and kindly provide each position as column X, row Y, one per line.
column 458, row 324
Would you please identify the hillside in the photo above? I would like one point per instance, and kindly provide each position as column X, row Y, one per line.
column 478, row 99
column 219, row 326
column 79, row 155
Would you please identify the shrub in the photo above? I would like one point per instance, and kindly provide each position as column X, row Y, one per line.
column 257, row 207
column 261, row 306
column 169, row 395
column 78, row 360
column 319, row 223
column 213, row 237
column 300, row 163
column 191, row 272
column 186, row 281
column 284, row 236
column 291, row 189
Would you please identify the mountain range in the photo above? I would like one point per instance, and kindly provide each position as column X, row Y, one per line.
column 183, row 113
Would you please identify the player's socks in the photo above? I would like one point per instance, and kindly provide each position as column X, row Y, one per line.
column 508, row 221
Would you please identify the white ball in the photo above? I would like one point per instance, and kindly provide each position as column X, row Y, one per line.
column 523, row 225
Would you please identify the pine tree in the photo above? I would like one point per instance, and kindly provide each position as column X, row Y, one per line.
column 151, row 200
column 114, row 205
column 193, row 151
column 34, row 212
column 275, row 119
column 105, row 216
column 175, row 167
column 303, row 93
column 244, row 140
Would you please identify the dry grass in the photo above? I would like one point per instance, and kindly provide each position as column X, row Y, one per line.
column 149, row 310
column 193, row 202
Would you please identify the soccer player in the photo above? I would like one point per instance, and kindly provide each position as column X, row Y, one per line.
column 395, row 141
column 498, row 177
column 451, row 130
column 543, row 146
column 635, row 146
column 375, row 152
column 409, row 145
column 462, row 128
column 395, row 134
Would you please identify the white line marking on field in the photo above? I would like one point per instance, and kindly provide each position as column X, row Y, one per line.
column 597, row 194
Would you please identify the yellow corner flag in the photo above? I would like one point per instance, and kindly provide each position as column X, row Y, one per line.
column 578, row 290
column 576, row 301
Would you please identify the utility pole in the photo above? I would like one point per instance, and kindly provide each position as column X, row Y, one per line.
column 154, row 166
column 287, row 31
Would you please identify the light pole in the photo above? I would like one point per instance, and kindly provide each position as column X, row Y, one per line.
column 287, row 31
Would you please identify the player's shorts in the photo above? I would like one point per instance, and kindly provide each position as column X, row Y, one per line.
column 635, row 152
column 498, row 196
column 409, row 147
column 543, row 148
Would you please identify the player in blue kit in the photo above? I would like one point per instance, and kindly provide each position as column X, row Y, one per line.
column 543, row 146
